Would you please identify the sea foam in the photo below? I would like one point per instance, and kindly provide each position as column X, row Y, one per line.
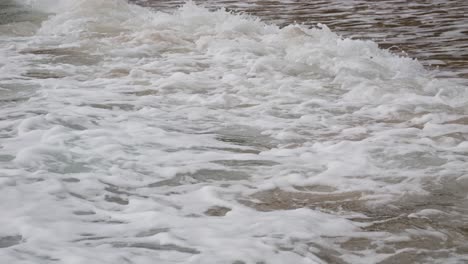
column 203, row 136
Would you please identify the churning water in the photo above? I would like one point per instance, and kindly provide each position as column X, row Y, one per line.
column 159, row 133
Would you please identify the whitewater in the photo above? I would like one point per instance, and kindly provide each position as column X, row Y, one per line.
column 135, row 135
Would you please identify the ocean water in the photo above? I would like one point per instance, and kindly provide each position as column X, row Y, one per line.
column 167, row 132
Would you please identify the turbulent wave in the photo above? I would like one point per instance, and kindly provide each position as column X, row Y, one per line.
column 130, row 135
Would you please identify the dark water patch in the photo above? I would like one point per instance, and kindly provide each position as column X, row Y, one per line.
column 358, row 244
column 278, row 199
column 416, row 257
column 108, row 222
column 44, row 74
column 87, row 234
column 239, row 150
column 152, row 232
column 217, row 211
column 9, row 241
column 113, row 106
column 316, row 188
column 65, row 56
column 246, row 163
column 116, row 199
column 146, row 92
column 71, row 180
column 327, row 254
column 6, row 158
column 91, row 238
column 77, row 195
column 203, row 175
column 13, row 100
column 119, row 194
column 245, row 136
column 155, row 246
column 80, row 213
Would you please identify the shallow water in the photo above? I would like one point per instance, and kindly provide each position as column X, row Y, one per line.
column 435, row 32
column 190, row 134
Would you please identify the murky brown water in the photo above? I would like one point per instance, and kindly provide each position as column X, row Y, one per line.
column 433, row 31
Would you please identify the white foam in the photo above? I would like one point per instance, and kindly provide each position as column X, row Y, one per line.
column 145, row 120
